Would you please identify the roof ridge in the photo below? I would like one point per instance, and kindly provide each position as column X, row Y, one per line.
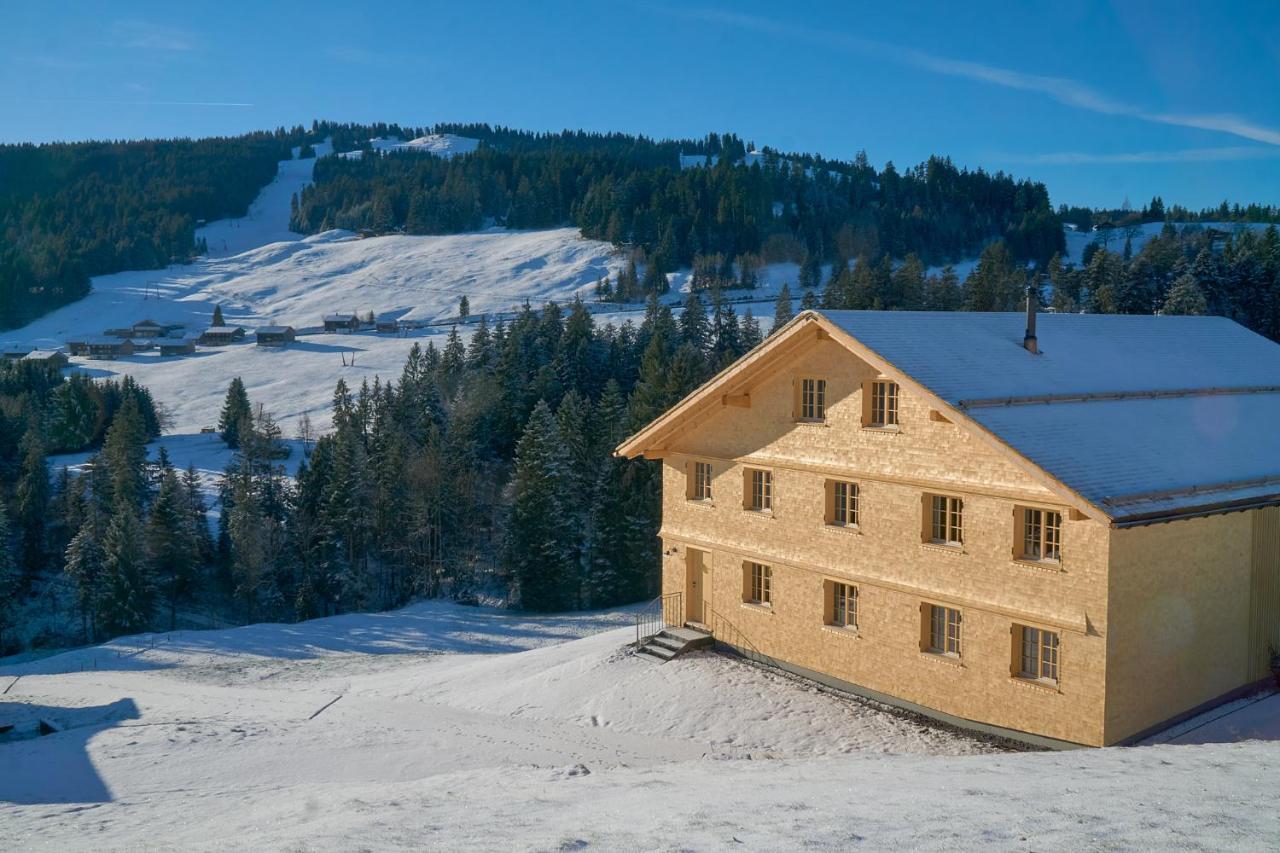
column 1230, row 485
column 1087, row 397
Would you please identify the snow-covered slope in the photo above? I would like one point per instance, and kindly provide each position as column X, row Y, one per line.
column 444, row 145
column 443, row 727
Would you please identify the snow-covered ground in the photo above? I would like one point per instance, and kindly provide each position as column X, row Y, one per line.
column 444, row 145
column 444, row 727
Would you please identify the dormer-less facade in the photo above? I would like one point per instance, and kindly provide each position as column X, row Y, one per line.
column 918, row 508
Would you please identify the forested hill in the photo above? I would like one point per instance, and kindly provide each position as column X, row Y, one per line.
column 632, row 191
column 69, row 211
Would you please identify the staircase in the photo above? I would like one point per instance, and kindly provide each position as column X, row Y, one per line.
column 672, row 642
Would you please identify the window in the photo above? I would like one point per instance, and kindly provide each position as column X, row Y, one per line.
column 842, row 503
column 759, row 490
column 1041, row 535
column 946, row 520
column 844, row 605
column 759, row 584
column 944, row 630
column 813, row 399
column 884, row 404
column 1039, row 654
column 700, row 482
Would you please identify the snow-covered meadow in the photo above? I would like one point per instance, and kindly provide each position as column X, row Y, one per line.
column 445, row 727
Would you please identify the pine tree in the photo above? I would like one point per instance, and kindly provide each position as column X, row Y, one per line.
column 170, row 544
column 695, row 329
column 235, row 410
column 10, row 582
column 539, row 547
column 85, row 565
column 32, row 496
column 124, row 455
column 128, row 588
column 749, row 331
column 782, row 309
column 464, row 306
column 1185, row 297
column 809, row 301
column 196, row 516
column 217, row 316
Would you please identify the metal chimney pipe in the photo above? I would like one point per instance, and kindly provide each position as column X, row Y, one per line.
column 1029, row 341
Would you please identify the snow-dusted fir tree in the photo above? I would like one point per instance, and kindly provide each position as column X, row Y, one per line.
column 85, row 565
column 235, row 411
column 782, row 308
column 1185, row 297
column 10, row 579
column 540, row 539
column 128, row 588
column 170, row 543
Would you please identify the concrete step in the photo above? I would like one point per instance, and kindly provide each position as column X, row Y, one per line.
column 669, row 643
column 674, row 641
column 660, row 652
column 685, row 634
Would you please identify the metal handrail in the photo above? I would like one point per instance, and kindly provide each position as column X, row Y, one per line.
column 664, row 610
column 730, row 635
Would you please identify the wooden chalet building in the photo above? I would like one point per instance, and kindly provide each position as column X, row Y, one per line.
column 275, row 336
column 1069, row 537
column 103, row 347
column 51, row 357
column 185, row 345
column 341, row 323
column 217, row 336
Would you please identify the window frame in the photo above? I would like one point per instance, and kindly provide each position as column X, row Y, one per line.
column 943, row 630
column 758, row 584
column 944, row 520
column 811, row 400
column 1037, row 655
column 1033, row 522
column 757, row 491
column 842, row 602
column 698, row 479
column 852, row 504
column 883, row 408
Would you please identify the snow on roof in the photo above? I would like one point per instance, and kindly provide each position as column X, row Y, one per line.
column 965, row 356
column 41, row 354
column 273, row 330
column 104, row 340
column 1206, row 435
column 339, row 318
column 223, row 330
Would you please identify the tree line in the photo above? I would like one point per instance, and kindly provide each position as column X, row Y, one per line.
column 69, row 211
column 41, row 412
column 632, row 192
column 1192, row 270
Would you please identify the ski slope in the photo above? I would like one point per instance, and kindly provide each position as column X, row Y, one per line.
column 445, row 727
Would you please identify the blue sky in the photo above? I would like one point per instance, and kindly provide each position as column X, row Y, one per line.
column 1099, row 100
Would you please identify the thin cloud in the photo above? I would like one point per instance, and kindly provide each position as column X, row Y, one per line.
column 1062, row 89
column 145, row 35
column 128, row 103
column 1185, row 155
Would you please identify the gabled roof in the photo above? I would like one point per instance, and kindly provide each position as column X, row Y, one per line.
column 273, row 330
column 1140, row 417
column 224, row 330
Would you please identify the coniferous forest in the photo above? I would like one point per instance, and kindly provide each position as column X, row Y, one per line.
column 632, row 192
column 69, row 211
